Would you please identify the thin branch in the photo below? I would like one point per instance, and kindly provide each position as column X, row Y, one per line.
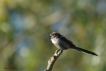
column 52, row 60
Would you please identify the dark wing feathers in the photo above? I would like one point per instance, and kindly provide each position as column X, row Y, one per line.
column 68, row 42
column 76, row 48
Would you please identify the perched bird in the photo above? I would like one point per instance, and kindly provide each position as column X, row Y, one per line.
column 63, row 43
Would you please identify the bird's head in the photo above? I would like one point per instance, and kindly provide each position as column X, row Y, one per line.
column 54, row 35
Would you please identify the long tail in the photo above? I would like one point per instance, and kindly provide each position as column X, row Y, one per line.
column 86, row 51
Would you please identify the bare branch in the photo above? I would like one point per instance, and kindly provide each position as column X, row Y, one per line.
column 52, row 60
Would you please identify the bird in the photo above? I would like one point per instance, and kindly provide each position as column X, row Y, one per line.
column 63, row 43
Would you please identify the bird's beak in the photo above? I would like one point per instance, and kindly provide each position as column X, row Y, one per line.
column 49, row 37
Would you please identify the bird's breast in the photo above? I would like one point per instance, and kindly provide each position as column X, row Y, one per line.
column 59, row 43
column 54, row 40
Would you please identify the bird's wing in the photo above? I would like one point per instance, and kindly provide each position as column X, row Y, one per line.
column 76, row 48
column 68, row 42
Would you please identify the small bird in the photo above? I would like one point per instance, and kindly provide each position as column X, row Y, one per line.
column 63, row 43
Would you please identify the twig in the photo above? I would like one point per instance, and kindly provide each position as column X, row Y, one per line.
column 52, row 60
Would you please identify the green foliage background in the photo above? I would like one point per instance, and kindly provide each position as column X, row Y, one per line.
column 25, row 26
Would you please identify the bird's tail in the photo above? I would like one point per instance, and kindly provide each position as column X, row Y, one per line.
column 86, row 51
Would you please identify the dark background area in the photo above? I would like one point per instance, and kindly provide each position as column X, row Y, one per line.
column 25, row 26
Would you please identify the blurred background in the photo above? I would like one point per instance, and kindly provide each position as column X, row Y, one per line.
column 25, row 26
